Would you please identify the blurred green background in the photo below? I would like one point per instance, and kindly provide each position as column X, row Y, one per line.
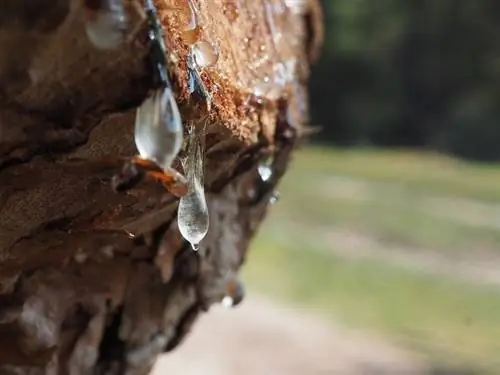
column 391, row 223
column 418, row 73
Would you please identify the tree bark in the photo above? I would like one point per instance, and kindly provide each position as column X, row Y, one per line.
column 95, row 280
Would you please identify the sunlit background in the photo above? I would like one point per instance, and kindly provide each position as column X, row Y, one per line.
column 381, row 256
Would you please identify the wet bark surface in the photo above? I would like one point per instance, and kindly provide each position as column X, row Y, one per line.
column 99, row 280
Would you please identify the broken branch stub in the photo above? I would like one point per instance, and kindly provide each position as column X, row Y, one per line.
column 94, row 274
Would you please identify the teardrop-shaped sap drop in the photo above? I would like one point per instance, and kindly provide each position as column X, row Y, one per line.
column 205, row 54
column 158, row 128
column 192, row 215
column 105, row 24
column 265, row 169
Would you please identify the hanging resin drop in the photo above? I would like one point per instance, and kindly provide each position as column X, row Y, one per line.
column 192, row 32
column 205, row 54
column 274, row 198
column 158, row 128
column 199, row 98
column 105, row 23
column 265, row 170
column 192, row 214
column 234, row 293
column 227, row 302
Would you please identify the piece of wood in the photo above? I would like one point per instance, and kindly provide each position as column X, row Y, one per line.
column 92, row 279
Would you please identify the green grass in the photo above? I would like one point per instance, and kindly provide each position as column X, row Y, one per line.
column 396, row 210
column 448, row 320
column 428, row 171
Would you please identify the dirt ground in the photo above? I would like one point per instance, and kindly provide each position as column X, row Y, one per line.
column 260, row 337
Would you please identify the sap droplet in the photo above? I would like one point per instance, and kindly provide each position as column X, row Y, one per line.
column 193, row 22
column 274, row 198
column 105, row 23
column 192, row 32
column 265, row 172
column 200, row 100
column 227, row 302
column 265, row 169
column 158, row 128
column 192, row 213
column 80, row 257
column 267, row 89
column 205, row 54
column 234, row 293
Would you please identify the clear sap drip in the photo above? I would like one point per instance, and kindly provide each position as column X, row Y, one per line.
column 106, row 25
column 274, row 198
column 199, row 96
column 265, row 172
column 265, row 169
column 158, row 128
column 205, row 54
column 268, row 89
column 192, row 32
column 227, row 302
column 192, row 213
column 193, row 22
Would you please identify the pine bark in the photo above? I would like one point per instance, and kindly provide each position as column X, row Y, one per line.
column 95, row 280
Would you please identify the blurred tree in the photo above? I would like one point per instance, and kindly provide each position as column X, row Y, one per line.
column 397, row 73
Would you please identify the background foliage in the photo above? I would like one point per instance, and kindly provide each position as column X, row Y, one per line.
column 419, row 73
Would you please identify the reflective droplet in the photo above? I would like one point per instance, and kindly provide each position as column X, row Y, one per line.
column 265, row 168
column 227, row 302
column 193, row 22
column 274, row 198
column 234, row 293
column 80, row 257
column 265, row 172
column 158, row 128
column 205, row 54
column 267, row 89
column 192, row 213
column 192, row 32
column 199, row 99
column 105, row 23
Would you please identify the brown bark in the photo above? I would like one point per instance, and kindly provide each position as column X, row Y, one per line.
column 98, row 280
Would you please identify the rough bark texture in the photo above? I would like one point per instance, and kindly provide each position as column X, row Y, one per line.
column 95, row 280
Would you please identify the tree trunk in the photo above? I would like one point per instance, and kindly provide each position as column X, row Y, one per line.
column 94, row 279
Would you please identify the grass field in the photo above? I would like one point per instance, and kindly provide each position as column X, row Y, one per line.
column 427, row 204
